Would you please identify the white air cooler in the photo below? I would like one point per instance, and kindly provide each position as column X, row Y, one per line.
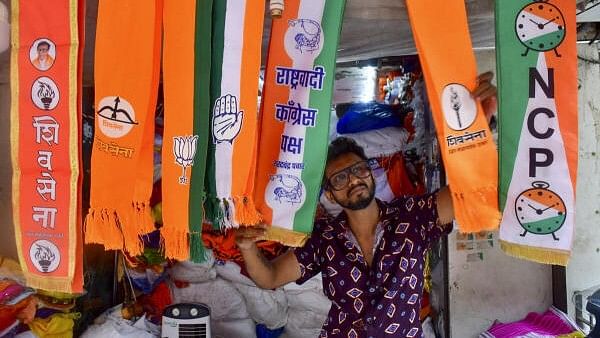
column 186, row 320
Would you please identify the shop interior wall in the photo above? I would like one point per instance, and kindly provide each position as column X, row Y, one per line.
column 583, row 271
column 484, row 283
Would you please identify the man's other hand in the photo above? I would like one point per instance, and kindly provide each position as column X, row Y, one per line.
column 486, row 93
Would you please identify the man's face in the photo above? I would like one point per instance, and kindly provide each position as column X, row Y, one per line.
column 359, row 188
column 42, row 51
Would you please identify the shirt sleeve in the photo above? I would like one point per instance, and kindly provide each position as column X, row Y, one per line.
column 421, row 211
column 308, row 256
column 434, row 229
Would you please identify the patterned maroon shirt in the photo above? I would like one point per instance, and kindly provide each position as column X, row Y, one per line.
column 382, row 300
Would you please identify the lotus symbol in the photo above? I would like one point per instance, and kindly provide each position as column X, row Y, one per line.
column 184, row 149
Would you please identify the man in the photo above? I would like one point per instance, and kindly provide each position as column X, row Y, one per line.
column 43, row 61
column 372, row 255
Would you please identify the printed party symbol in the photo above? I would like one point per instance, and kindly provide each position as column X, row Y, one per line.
column 44, row 255
column 288, row 188
column 227, row 120
column 303, row 38
column 116, row 116
column 184, row 149
column 540, row 26
column 45, row 94
column 540, row 211
column 309, row 35
column 458, row 106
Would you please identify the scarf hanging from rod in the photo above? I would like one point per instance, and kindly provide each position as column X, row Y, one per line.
column 46, row 59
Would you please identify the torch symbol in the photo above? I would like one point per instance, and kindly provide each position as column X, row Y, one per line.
column 46, row 94
column 456, row 105
column 184, row 149
column 44, row 256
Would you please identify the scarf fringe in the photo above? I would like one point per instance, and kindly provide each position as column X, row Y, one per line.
column 139, row 222
column 119, row 230
column 49, row 284
column 175, row 243
column 220, row 213
column 536, row 254
column 476, row 210
column 246, row 212
column 102, row 227
column 214, row 214
column 197, row 248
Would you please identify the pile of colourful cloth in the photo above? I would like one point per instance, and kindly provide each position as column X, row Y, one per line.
column 29, row 313
column 550, row 324
column 17, row 305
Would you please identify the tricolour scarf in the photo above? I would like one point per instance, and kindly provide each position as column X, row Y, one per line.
column 537, row 81
column 469, row 154
column 126, row 75
column 235, row 69
column 186, row 79
column 45, row 141
column 296, row 106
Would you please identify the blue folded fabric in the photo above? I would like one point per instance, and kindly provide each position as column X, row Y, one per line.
column 368, row 116
column 263, row 332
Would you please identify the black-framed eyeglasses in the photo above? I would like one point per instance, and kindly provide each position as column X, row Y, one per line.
column 340, row 179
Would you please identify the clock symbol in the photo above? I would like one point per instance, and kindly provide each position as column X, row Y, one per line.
column 540, row 26
column 540, row 211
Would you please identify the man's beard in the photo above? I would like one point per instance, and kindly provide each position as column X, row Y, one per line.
column 362, row 202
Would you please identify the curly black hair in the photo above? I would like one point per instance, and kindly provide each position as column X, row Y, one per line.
column 344, row 145
column 341, row 146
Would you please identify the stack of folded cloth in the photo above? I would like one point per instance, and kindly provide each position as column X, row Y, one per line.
column 550, row 324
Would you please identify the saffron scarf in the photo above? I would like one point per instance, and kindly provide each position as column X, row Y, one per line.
column 126, row 67
column 537, row 81
column 235, row 68
column 186, row 79
column 295, row 113
column 469, row 153
column 47, row 45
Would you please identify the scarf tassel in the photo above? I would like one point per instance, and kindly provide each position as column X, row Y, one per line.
column 102, row 227
column 175, row 242
column 246, row 212
column 214, row 213
column 540, row 255
column 137, row 221
column 197, row 249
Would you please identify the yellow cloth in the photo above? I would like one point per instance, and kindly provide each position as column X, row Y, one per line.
column 59, row 325
column 575, row 334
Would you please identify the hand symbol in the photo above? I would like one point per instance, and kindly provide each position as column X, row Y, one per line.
column 227, row 120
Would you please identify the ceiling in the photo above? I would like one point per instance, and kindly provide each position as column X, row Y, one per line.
column 370, row 29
